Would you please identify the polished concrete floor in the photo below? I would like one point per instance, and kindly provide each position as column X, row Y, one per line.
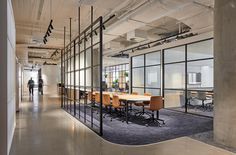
column 42, row 128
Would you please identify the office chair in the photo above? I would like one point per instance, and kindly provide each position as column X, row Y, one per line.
column 106, row 101
column 116, row 104
column 156, row 104
column 142, row 104
column 134, row 93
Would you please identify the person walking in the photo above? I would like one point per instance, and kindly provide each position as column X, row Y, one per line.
column 30, row 85
column 40, row 85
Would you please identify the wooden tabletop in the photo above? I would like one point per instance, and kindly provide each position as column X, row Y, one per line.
column 127, row 97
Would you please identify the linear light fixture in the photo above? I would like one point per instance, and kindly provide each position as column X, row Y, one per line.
column 49, row 31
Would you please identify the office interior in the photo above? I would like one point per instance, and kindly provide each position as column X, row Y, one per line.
column 120, row 74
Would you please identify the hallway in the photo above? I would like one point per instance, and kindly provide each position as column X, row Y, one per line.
column 42, row 128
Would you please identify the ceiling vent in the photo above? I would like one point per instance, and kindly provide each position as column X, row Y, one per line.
column 113, row 45
column 137, row 35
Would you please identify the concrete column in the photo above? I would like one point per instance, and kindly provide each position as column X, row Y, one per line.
column 225, row 72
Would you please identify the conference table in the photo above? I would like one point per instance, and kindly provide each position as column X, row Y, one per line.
column 127, row 99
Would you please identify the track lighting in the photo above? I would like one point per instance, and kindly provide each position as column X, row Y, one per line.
column 48, row 34
column 49, row 30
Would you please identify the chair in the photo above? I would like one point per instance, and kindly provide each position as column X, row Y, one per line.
column 156, row 104
column 91, row 98
column 106, row 101
column 117, row 105
column 203, row 97
column 97, row 101
column 97, row 98
column 142, row 104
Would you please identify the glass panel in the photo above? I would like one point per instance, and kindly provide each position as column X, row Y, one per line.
column 88, row 77
column 82, row 60
column 72, row 63
column 174, row 54
column 175, row 76
column 96, row 57
column 77, row 78
column 88, row 57
column 174, row 99
column 140, row 91
column 153, row 58
column 77, row 62
column 82, row 78
column 96, row 78
column 154, row 91
column 138, row 77
column 200, row 75
column 153, row 77
column 138, row 61
column 200, row 50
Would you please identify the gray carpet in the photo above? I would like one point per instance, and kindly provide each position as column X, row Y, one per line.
column 177, row 124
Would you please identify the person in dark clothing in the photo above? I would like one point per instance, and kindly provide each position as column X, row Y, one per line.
column 40, row 85
column 31, row 86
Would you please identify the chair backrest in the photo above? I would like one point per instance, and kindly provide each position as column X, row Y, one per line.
column 106, row 100
column 201, row 95
column 156, row 103
column 115, row 101
column 134, row 93
column 97, row 97
column 90, row 97
column 189, row 94
column 147, row 94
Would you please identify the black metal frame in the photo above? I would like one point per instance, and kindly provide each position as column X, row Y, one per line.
column 163, row 64
column 145, row 67
column 73, row 52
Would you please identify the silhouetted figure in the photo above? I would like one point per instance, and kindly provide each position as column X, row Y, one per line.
column 40, row 85
column 31, row 86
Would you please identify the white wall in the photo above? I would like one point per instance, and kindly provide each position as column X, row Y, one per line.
column 50, row 76
column 7, row 77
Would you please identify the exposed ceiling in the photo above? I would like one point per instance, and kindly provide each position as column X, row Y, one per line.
column 136, row 21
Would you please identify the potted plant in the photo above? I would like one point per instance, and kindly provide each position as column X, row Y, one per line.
column 126, row 74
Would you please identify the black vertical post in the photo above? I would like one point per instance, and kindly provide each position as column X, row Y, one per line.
column 144, row 75
column 186, row 80
column 66, row 78
column 74, row 79
column 70, row 70
column 64, row 56
column 163, row 74
column 91, row 65
column 79, row 56
column 131, row 76
column 101, row 65
column 61, row 78
column 85, row 100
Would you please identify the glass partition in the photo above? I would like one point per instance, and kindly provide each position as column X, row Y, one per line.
column 82, row 59
column 174, row 85
column 146, row 73
column 200, row 78
column 183, row 74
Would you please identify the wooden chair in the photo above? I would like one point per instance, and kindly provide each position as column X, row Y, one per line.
column 134, row 93
column 106, row 101
column 91, row 98
column 142, row 104
column 116, row 104
column 156, row 104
